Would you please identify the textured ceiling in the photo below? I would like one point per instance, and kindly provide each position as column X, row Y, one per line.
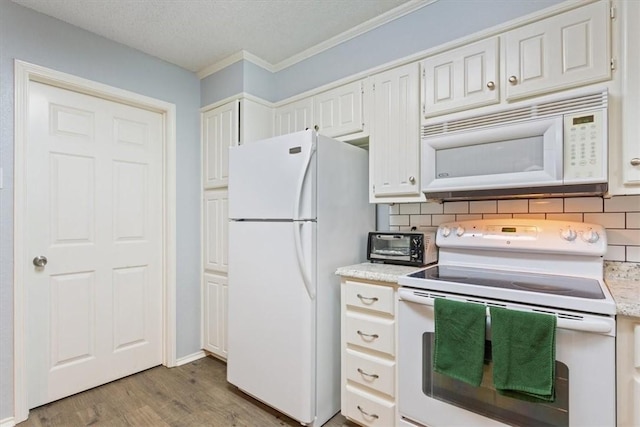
column 195, row 34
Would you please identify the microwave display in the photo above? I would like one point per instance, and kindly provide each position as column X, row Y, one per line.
column 584, row 119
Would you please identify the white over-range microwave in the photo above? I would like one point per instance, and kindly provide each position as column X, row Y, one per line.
column 553, row 148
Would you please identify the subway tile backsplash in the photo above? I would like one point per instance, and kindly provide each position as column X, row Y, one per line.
column 620, row 215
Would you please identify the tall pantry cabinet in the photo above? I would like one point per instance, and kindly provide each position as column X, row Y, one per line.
column 229, row 124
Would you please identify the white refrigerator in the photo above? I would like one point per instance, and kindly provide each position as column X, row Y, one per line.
column 298, row 209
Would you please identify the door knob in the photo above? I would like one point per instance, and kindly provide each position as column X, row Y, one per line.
column 40, row 261
column 635, row 161
column 513, row 80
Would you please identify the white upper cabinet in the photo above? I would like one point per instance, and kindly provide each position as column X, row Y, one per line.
column 461, row 78
column 566, row 50
column 625, row 170
column 238, row 121
column 293, row 117
column 256, row 121
column 394, row 143
column 340, row 111
column 219, row 132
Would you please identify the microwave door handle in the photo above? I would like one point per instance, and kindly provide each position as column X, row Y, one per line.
column 590, row 325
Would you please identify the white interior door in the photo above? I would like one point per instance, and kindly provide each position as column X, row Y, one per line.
column 94, row 210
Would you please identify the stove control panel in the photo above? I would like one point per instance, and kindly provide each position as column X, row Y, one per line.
column 524, row 235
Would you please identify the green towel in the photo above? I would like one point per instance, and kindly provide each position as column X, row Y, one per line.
column 460, row 337
column 524, row 354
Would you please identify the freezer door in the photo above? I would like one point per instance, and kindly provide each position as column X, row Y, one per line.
column 273, row 178
column 271, row 330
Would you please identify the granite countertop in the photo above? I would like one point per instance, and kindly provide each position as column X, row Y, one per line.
column 622, row 279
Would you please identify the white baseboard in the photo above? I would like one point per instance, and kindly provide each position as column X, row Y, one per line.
column 184, row 360
column 7, row 422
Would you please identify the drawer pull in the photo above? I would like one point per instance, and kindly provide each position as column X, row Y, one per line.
column 368, row 336
column 366, row 414
column 374, row 376
column 369, row 300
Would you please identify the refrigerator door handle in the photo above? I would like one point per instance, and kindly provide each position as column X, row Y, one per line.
column 301, row 179
column 300, row 256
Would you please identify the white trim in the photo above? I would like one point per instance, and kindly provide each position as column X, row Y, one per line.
column 7, row 422
column 402, row 10
column 232, row 59
column 24, row 74
column 191, row 358
column 385, row 18
column 238, row 96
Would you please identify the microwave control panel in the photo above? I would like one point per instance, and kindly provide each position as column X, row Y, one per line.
column 585, row 148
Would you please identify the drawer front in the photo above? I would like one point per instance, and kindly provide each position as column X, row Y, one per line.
column 369, row 410
column 371, row 371
column 371, row 297
column 370, row 332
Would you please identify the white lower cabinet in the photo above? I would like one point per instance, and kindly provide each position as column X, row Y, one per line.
column 628, row 371
column 215, row 314
column 368, row 352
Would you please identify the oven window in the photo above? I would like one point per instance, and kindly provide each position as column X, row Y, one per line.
column 486, row 401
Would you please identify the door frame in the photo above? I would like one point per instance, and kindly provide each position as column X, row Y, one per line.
column 25, row 73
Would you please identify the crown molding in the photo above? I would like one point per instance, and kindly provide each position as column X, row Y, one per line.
column 402, row 10
column 232, row 59
column 393, row 14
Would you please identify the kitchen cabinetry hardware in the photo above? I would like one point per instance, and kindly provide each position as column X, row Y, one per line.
column 635, row 161
column 513, row 80
column 491, row 85
column 363, row 298
column 366, row 374
column 40, row 261
column 368, row 364
column 412, row 179
column 366, row 414
column 365, row 336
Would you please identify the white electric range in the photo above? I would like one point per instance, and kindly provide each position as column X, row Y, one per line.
column 553, row 267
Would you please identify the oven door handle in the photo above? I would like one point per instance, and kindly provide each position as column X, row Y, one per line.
column 604, row 326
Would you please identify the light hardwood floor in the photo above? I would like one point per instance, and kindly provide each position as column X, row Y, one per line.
column 192, row 395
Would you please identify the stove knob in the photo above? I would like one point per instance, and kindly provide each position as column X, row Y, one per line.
column 459, row 231
column 569, row 234
column 590, row 236
column 445, row 231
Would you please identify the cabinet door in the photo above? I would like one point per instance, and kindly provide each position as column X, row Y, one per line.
column 294, row 117
column 566, row 50
column 394, row 144
column 256, row 121
column 461, row 78
column 214, row 329
column 339, row 111
column 219, row 132
column 630, row 153
column 216, row 230
column 628, row 371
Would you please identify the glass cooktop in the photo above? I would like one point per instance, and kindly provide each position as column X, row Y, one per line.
column 577, row 287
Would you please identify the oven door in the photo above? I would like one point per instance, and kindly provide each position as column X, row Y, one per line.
column 585, row 374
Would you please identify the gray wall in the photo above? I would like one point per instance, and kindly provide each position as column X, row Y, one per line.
column 38, row 39
column 428, row 27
